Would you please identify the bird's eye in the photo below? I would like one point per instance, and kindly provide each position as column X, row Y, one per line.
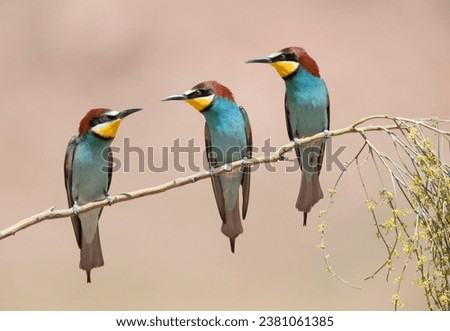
column 282, row 57
column 105, row 118
column 196, row 94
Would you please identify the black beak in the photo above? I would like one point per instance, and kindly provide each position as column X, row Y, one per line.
column 127, row 112
column 264, row 59
column 175, row 97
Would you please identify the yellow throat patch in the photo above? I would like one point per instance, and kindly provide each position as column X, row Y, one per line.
column 285, row 68
column 107, row 130
column 201, row 103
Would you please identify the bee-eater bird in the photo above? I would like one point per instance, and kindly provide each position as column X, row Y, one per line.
column 307, row 110
column 87, row 173
column 228, row 138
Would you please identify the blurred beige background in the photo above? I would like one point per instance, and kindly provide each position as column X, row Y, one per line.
column 58, row 59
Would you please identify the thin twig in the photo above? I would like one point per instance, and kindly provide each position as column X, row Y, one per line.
column 51, row 213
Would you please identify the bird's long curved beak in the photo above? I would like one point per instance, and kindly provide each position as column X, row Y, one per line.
column 263, row 59
column 127, row 112
column 175, row 97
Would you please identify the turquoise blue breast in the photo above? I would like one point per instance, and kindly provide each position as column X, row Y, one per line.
column 227, row 129
column 307, row 99
column 90, row 169
column 227, row 132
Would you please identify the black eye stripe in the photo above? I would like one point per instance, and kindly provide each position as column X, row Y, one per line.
column 100, row 119
column 198, row 93
column 286, row 57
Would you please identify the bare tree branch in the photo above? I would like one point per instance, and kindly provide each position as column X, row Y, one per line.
column 416, row 173
column 417, row 176
column 51, row 213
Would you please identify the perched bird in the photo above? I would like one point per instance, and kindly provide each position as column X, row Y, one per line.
column 307, row 109
column 87, row 174
column 228, row 138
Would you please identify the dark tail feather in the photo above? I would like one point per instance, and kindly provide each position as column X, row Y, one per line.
column 310, row 193
column 232, row 226
column 91, row 255
column 232, row 244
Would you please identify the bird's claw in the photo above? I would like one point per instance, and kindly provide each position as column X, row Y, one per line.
column 110, row 199
column 297, row 141
column 76, row 208
column 326, row 134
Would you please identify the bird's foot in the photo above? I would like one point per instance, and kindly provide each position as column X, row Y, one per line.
column 227, row 167
column 110, row 199
column 297, row 141
column 212, row 171
column 326, row 134
column 76, row 208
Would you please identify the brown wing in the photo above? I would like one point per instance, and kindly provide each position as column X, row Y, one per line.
column 68, row 162
column 245, row 182
column 217, row 188
column 110, row 168
column 289, row 130
column 322, row 147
